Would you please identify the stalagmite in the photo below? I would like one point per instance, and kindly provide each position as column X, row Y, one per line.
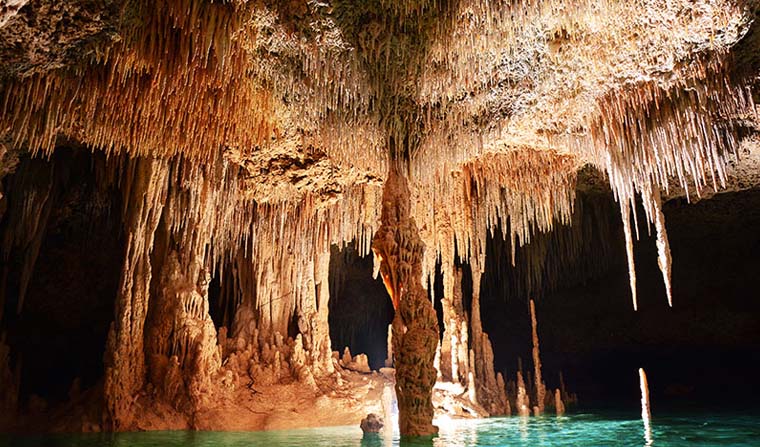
column 558, row 405
column 314, row 315
column 646, row 413
column 522, row 402
column 415, row 325
column 540, row 387
column 454, row 341
column 490, row 395
column 472, row 389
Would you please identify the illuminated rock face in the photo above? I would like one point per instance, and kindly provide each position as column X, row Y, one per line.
column 415, row 327
column 125, row 360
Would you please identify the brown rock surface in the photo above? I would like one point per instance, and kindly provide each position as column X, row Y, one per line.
column 415, row 326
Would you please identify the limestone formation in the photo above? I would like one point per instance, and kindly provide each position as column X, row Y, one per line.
column 358, row 363
column 389, row 347
column 415, row 326
column 389, row 405
column 522, row 401
column 490, row 394
column 372, row 424
column 558, row 405
column 454, row 343
column 540, row 386
column 236, row 142
column 125, row 361
column 646, row 412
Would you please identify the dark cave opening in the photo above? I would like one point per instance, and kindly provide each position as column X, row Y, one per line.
column 436, row 292
column 589, row 330
column 59, row 335
column 360, row 309
column 216, row 308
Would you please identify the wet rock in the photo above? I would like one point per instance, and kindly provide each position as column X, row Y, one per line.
column 372, row 424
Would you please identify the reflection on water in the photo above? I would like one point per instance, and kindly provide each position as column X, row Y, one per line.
column 602, row 429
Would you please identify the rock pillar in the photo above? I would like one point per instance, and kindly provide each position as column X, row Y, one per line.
column 144, row 200
column 399, row 248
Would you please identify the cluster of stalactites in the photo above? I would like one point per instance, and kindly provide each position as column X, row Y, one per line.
column 134, row 95
column 569, row 254
column 648, row 136
column 275, row 268
column 529, row 189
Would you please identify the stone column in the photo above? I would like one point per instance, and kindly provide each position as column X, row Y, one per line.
column 145, row 195
column 415, row 326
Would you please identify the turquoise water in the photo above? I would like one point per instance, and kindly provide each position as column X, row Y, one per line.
column 600, row 429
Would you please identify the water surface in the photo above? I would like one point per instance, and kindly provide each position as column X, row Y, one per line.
column 582, row 429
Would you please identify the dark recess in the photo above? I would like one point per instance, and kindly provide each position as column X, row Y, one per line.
column 61, row 331
column 360, row 309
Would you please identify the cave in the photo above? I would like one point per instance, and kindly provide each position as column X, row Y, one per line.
column 455, row 222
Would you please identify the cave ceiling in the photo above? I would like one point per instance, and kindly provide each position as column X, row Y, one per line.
column 493, row 107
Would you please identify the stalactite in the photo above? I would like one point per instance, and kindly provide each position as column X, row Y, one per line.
column 182, row 339
column 138, row 86
column 27, row 222
column 529, row 189
column 415, row 326
column 144, row 198
column 663, row 246
column 625, row 214
column 540, row 387
column 568, row 255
